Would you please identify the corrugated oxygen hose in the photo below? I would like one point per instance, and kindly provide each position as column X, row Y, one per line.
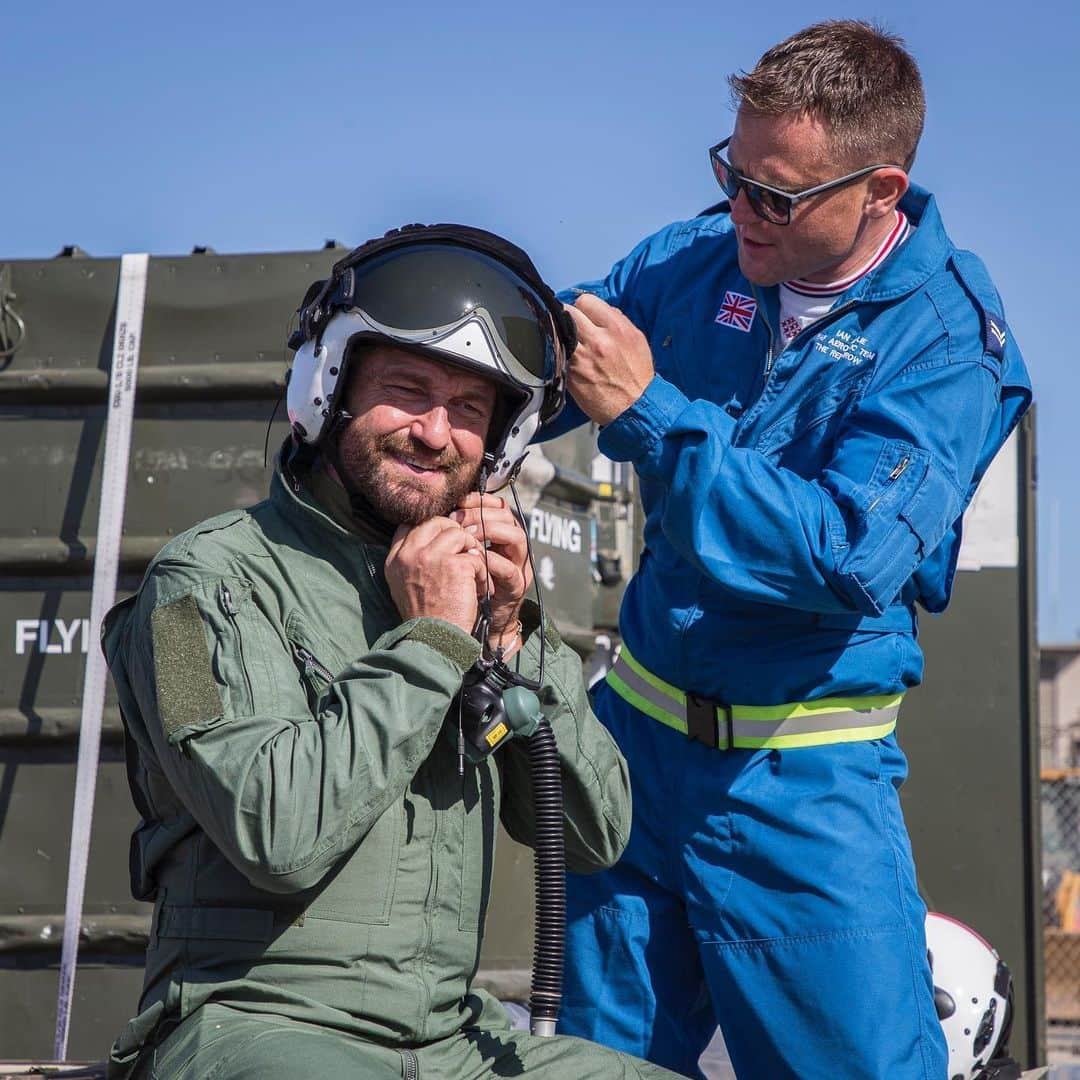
column 550, row 860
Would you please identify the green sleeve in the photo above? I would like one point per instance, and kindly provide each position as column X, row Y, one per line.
column 284, row 778
column 596, row 783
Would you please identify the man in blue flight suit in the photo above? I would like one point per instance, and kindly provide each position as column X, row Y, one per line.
column 810, row 385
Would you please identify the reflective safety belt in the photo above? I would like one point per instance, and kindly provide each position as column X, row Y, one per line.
column 754, row 727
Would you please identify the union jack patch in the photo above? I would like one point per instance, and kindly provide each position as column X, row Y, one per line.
column 737, row 310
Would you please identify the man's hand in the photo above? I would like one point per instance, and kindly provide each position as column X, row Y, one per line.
column 612, row 363
column 436, row 569
column 507, row 561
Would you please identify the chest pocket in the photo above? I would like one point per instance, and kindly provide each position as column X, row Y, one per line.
column 802, row 438
column 312, row 656
column 705, row 360
column 362, row 889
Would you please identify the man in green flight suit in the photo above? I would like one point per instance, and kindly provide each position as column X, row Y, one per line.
column 318, row 851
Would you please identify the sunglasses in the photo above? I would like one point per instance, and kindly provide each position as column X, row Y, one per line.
column 767, row 202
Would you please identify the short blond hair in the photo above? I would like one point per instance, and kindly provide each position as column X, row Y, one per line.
column 856, row 78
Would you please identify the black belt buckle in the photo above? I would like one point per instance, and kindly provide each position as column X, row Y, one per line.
column 703, row 724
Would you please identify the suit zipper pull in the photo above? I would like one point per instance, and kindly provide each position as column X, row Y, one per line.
column 894, row 475
column 311, row 664
column 226, row 600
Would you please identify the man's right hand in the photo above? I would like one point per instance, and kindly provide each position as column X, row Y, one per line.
column 436, row 569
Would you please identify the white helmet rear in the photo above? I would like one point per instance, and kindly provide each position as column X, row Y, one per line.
column 972, row 994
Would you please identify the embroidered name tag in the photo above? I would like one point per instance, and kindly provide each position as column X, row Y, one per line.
column 844, row 345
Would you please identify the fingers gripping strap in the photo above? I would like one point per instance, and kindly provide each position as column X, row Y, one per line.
column 186, row 690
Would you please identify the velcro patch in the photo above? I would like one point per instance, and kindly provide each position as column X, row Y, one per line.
column 187, row 693
column 995, row 334
column 455, row 645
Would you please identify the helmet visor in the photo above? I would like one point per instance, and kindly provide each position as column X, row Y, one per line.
column 419, row 290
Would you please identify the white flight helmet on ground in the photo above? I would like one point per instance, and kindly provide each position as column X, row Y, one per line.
column 972, row 994
column 449, row 292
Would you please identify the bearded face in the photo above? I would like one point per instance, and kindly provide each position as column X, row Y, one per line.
column 416, row 441
column 401, row 479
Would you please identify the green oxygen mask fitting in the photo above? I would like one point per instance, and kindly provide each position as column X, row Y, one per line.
column 492, row 707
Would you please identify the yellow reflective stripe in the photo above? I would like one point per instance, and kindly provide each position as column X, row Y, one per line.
column 814, row 725
column 651, row 679
column 818, row 738
column 871, row 716
column 643, row 704
column 813, row 708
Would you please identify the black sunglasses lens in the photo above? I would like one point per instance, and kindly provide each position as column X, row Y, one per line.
column 770, row 205
column 725, row 176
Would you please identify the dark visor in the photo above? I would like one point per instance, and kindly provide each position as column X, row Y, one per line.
column 434, row 285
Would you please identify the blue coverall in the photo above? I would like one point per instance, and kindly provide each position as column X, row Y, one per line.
column 798, row 503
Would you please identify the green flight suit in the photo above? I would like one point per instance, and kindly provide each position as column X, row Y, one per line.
column 319, row 868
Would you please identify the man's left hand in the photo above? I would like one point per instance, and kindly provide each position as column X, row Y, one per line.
column 507, row 561
column 612, row 363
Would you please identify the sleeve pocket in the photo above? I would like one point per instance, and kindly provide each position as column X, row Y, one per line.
column 904, row 522
column 932, row 510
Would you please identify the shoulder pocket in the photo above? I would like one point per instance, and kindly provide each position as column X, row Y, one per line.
column 237, row 650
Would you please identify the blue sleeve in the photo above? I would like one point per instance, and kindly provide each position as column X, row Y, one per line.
column 849, row 538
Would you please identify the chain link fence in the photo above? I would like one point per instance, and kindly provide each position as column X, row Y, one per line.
column 1061, row 898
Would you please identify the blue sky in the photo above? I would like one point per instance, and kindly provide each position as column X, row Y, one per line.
column 573, row 129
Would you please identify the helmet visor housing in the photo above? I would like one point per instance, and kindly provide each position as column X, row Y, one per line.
column 454, row 304
column 422, row 290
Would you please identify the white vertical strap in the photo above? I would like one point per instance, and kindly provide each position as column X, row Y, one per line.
column 130, row 300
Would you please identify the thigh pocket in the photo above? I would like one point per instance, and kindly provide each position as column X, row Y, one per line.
column 811, row 855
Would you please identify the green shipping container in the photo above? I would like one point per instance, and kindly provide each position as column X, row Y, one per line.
column 210, row 373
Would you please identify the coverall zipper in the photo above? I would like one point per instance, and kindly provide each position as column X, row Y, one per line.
column 768, row 330
column 429, row 914
column 412, row 1066
column 389, row 605
column 816, row 325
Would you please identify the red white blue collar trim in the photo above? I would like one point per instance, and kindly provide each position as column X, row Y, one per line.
column 897, row 235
